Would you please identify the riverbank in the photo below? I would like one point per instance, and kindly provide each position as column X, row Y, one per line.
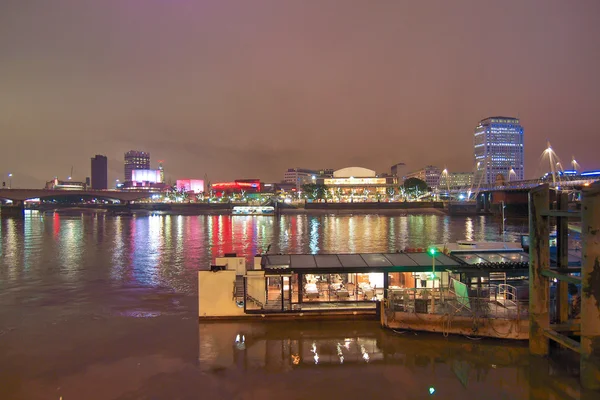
column 350, row 211
column 226, row 208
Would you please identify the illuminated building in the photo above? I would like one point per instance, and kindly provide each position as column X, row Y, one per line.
column 190, row 185
column 429, row 174
column 145, row 179
column 302, row 176
column 498, row 149
column 146, row 175
column 162, row 172
column 237, row 186
column 99, row 172
column 456, row 180
column 358, row 184
column 135, row 160
column 56, row 184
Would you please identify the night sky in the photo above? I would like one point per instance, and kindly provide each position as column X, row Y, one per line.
column 243, row 89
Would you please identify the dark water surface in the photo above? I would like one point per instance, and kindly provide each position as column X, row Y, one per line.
column 100, row 307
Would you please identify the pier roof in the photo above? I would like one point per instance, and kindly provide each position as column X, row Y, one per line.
column 356, row 262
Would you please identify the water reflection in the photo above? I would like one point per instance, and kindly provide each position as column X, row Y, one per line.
column 469, row 229
column 452, row 367
column 166, row 251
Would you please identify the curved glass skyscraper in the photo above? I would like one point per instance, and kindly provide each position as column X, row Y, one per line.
column 498, row 149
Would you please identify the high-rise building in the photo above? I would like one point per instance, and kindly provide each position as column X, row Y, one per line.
column 99, row 172
column 135, row 160
column 498, row 150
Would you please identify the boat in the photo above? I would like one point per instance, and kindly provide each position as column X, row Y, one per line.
column 253, row 210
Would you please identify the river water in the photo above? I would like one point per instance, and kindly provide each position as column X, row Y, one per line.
column 94, row 306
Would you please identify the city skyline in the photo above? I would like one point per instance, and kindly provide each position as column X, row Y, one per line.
column 212, row 90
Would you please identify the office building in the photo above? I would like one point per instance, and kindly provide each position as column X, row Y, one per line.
column 456, row 180
column 498, row 150
column 135, row 160
column 429, row 174
column 302, row 176
column 99, row 172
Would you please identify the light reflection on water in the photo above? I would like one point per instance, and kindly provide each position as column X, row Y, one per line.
column 66, row 273
column 166, row 250
column 368, row 361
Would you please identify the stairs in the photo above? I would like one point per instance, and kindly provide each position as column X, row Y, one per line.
column 238, row 291
column 275, row 305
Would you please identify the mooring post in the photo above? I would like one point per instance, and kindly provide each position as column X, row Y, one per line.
column 562, row 258
column 539, row 259
column 590, row 293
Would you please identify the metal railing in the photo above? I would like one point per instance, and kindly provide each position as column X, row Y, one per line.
column 491, row 301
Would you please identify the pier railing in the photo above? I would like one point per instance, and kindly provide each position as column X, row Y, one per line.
column 491, row 301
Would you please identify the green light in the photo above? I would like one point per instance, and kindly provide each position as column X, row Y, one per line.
column 431, row 390
column 432, row 251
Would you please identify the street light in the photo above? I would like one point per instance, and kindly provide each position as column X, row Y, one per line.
column 432, row 252
column 10, row 180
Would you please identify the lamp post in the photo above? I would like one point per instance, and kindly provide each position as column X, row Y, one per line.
column 10, row 180
column 432, row 252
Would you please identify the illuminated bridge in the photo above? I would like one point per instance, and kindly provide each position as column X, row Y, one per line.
column 18, row 196
column 565, row 181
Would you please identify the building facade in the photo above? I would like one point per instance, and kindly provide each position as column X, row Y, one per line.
column 99, row 172
column 302, row 176
column 135, row 160
column 398, row 170
column 357, row 184
column 456, row 180
column 429, row 174
column 498, row 150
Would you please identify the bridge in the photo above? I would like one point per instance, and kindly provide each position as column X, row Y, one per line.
column 18, row 196
column 468, row 192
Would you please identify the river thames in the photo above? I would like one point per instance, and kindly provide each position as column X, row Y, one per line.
column 94, row 306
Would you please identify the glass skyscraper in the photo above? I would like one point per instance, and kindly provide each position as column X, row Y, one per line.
column 498, row 149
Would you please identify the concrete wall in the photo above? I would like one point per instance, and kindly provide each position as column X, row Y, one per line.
column 215, row 294
column 237, row 264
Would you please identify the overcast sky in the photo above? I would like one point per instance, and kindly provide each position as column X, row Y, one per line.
column 244, row 89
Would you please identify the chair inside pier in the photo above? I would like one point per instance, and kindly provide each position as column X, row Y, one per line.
column 306, row 282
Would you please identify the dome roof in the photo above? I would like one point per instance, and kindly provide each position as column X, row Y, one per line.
column 355, row 172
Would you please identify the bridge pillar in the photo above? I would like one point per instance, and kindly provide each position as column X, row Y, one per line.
column 590, row 294
column 16, row 209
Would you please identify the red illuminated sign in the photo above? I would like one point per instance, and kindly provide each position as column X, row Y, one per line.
column 237, row 185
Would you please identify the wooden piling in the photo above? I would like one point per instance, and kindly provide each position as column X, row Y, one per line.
column 590, row 293
column 539, row 260
column 562, row 258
